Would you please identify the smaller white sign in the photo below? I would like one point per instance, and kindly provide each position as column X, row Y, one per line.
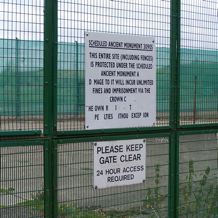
column 119, row 163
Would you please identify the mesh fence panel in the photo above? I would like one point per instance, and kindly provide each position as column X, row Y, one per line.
column 199, row 62
column 21, row 65
column 21, row 182
column 123, row 17
column 21, row 110
column 77, row 196
column 198, row 176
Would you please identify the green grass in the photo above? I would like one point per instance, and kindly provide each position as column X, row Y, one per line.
column 37, row 202
column 7, row 191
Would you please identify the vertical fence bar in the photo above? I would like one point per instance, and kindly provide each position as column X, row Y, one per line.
column 50, row 178
column 77, row 79
column 50, row 102
column 50, row 67
column 195, row 100
column 174, row 108
column 47, row 180
column 54, row 177
column 17, row 80
column 173, row 199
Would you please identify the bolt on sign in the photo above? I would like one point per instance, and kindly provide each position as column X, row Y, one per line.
column 119, row 163
column 120, row 81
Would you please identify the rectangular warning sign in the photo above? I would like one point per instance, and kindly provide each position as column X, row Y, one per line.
column 120, row 81
column 118, row 163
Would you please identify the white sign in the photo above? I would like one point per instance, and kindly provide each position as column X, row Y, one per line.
column 120, row 84
column 118, row 163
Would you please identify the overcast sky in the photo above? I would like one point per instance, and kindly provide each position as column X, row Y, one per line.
column 24, row 20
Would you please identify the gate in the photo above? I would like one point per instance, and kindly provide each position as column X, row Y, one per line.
column 47, row 154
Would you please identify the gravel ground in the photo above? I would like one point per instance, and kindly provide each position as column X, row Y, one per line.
column 19, row 212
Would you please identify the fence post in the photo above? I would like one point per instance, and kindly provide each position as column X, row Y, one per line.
column 77, row 79
column 50, row 68
column 173, row 200
column 17, row 79
column 50, row 103
column 195, row 100
column 47, row 180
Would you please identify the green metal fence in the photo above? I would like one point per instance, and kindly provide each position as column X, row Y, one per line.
column 46, row 155
column 75, row 188
column 198, row 175
column 22, row 179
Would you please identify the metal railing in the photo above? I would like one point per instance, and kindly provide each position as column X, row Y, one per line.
column 46, row 155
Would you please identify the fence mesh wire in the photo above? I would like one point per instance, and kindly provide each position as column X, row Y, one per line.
column 21, row 57
column 77, row 196
column 198, row 176
column 199, row 62
column 21, row 109
column 21, row 181
column 123, row 17
column 21, row 65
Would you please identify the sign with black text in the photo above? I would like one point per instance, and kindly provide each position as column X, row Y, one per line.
column 120, row 81
column 118, row 163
